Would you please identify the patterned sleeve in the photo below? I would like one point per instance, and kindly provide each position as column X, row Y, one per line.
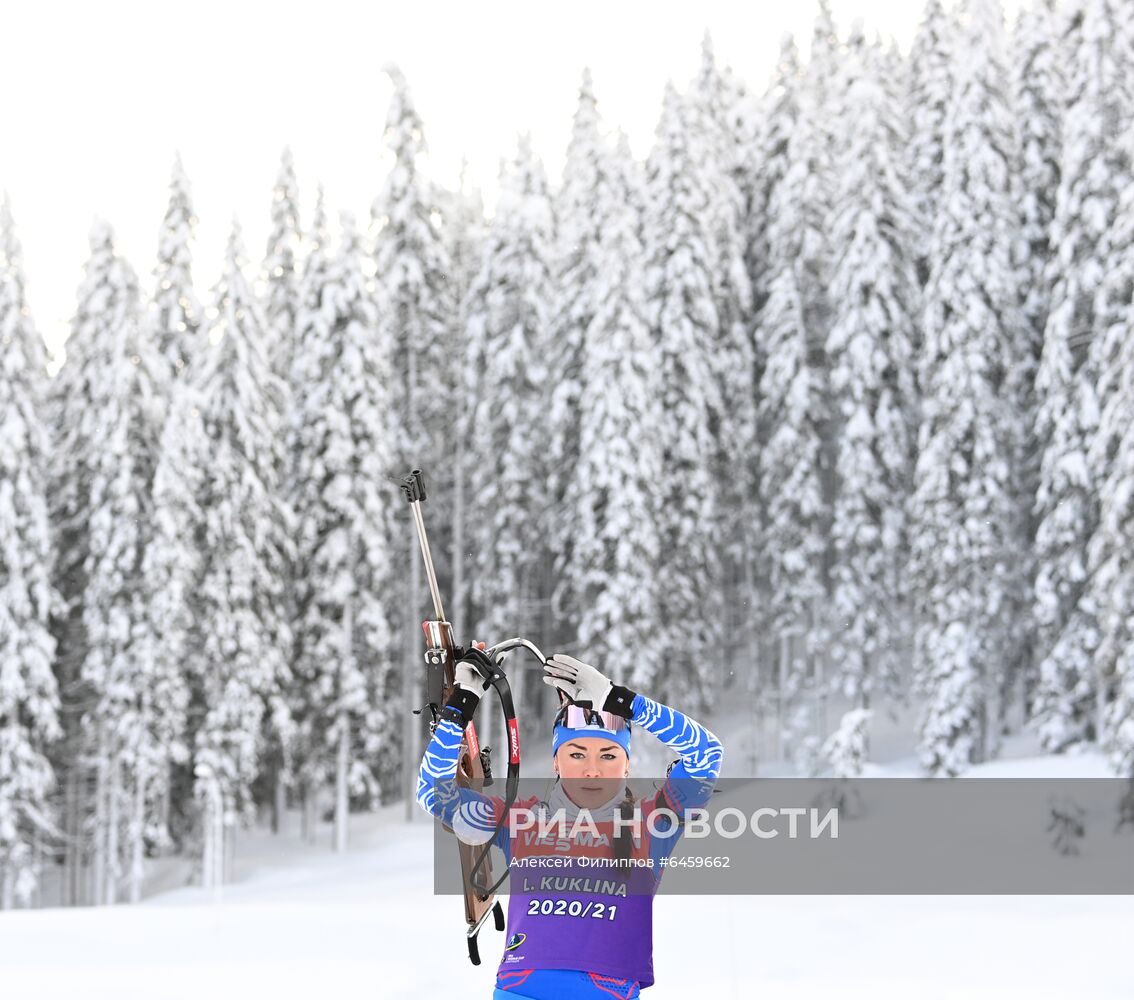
column 690, row 783
column 471, row 815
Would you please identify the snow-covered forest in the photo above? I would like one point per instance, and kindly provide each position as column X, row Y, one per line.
column 825, row 408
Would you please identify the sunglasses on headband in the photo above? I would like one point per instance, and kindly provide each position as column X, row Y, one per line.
column 580, row 717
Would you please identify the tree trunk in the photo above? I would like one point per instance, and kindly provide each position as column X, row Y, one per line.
column 754, row 704
column 310, row 817
column 342, row 768
column 37, row 860
column 207, row 846
column 166, row 798
column 112, row 845
column 820, row 672
column 781, row 705
column 279, row 806
column 70, row 891
column 754, row 652
column 457, row 614
column 1101, row 693
column 138, row 838
column 100, row 820
column 342, row 790
column 412, row 661
column 229, row 856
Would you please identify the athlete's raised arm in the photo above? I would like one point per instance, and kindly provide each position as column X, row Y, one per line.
column 472, row 815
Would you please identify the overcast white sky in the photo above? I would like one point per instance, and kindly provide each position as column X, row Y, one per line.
column 98, row 96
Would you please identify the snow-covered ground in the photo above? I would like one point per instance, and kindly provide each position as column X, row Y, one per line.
column 298, row 921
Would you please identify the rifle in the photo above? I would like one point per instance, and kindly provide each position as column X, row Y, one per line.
column 474, row 768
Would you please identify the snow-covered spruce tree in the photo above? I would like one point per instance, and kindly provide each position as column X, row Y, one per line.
column 464, row 233
column 110, row 402
column 821, row 93
column 777, row 120
column 241, row 658
column 309, row 324
column 171, row 563
column 1112, row 300
column 1019, row 675
column 775, row 117
column 416, row 318
column 1091, row 179
column 176, row 311
column 1111, row 551
column 29, row 698
column 823, row 84
column 713, row 100
column 615, row 556
column 509, row 318
column 932, row 64
column 716, row 146
column 684, row 322
column 874, row 291
column 793, row 400
column 280, row 291
column 894, row 71
column 19, row 326
column 577, row 265
column 741, row 114
column 282, row 269
column 848, row 748
column 823, row 66
column 312, row 341
column 964, row 515
column 171, row 569
column 344, row 503
column 415, row 301
column 1038, row 93
column 634, row 181
column 1038, row 90
column 1111, row 453
column 823, row 87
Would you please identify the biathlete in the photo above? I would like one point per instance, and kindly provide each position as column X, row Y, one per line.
column 595, row 941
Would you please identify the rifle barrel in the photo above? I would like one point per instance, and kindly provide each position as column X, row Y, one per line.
column 428, row 557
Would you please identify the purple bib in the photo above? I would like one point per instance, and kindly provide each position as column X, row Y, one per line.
column 578, row 916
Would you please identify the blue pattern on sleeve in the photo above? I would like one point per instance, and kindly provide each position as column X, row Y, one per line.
column 472, row 815
column 690, row 783
column 700, row 750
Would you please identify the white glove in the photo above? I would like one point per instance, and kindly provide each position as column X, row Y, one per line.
column 579, row 681
column 468, row 677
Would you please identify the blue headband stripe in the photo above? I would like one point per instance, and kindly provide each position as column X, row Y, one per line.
column 562, row 734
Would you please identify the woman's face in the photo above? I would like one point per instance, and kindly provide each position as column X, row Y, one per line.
column 592, row 769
